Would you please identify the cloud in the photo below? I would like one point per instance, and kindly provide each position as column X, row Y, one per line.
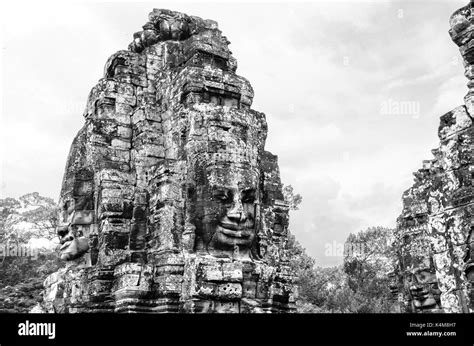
column 320, row 220
column 451, row 92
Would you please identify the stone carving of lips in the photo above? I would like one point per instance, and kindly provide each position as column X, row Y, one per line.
column 420, row 292
column 74, row 248
column 422, row 296
column 236, row 230
column 65, row 245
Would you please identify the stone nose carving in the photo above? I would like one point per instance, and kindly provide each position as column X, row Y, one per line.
column 68, row 237
column 236, row 211
column 63, row 233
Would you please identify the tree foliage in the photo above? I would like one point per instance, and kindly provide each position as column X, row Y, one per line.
column 367, row 270
column 359, row 285
column 21, row 277
column 293, row 200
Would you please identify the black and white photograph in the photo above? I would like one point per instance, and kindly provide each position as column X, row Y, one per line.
column 237, row 172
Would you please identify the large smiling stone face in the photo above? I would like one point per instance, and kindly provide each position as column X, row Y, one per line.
column 73, row 243
column 424, row 290
column 225, row 210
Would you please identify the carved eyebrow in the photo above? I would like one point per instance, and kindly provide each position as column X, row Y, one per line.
column 218, row 189
column 249, row 191
column 221, row 193
column 226, row 190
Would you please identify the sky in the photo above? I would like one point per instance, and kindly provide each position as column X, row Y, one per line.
column 352, row 91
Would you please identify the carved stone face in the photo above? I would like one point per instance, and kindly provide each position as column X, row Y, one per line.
column 423, row 288
column 393, row 283
column 73, row 243
column 225, row 211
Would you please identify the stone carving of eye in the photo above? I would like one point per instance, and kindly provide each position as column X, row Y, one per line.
column 222, row 196
column 248, row 197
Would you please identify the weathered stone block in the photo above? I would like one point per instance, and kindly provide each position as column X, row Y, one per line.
column 169, row 284
column 211, row 271
column 229, row 291
column 207, row 289
column 232, row 272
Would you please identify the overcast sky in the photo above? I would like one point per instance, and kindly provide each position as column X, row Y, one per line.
column 329, row 76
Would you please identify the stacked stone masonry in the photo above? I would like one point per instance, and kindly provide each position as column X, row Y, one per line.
column 435, row 242
column 169, row 201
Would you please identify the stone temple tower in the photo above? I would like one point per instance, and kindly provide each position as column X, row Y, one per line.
column 170, row 202
column 435, row 271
